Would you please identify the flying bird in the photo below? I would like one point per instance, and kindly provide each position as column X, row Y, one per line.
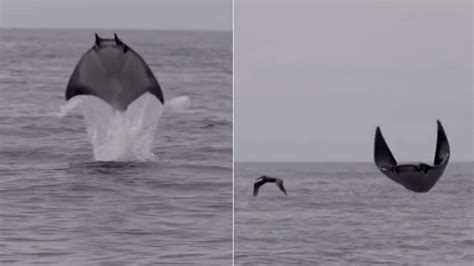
column 419, row 177
column 268, row 179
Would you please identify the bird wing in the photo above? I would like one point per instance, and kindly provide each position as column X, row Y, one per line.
column 282, row 188
column 257, row 186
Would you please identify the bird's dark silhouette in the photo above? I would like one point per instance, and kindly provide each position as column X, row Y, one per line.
column 268, row 179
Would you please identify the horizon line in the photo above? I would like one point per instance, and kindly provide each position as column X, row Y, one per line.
column 125, row 29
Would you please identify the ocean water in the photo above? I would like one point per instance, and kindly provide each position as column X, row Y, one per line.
column 351, row 214
column 62, row 204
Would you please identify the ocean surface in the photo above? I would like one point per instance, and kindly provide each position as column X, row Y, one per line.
column 351, row 214
column 61, row 204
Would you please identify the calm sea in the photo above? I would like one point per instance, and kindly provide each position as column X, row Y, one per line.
column 351, row 214
column 60, row 206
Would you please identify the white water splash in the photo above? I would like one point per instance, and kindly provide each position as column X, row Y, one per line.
column 177, row 104
column 119, row 136
column 69, row 106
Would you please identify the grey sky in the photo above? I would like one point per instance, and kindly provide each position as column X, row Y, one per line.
column 119, row 14
column 314, row 78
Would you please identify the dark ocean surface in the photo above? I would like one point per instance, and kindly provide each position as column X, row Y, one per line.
column 59, row 205
column 351, row 214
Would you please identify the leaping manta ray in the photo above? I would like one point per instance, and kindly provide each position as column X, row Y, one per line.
column 419, row 177
column 114, row 72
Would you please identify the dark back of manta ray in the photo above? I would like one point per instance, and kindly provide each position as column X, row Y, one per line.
column 113, row 72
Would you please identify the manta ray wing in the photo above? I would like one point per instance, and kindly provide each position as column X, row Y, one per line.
column 383, row 157
column 441, row 159
column 442, row 147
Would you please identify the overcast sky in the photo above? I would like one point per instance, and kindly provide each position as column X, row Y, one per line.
column 313, row 79
column 117, row 14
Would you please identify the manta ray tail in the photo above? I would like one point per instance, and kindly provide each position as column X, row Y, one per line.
column 382, row 154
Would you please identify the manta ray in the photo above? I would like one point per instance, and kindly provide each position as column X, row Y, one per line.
column 115, row 73
column 419, row 177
